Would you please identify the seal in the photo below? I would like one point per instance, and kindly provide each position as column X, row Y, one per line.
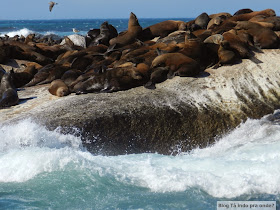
column 202, row 34
column 268, row 22
column 179, row 64
column 22, row 78
column 158, row 75
column 192, row 47
column 121, row 78
column 225, row 54
column 174, row 37
column 93, row 33
column 216, row 21
column 225, row 26
column 215, row 38
column 107, row 32
column 70, row 76
column 227, row 15
column 243, row 11
column 242, row 48
column 248, row 16
column 24, row 51
column 202, row 20
column 81, row 62
column 8, row 92
column 162, row 29
column 29, row 38
column 263, row 37
column 59, row 88
column 52, row 51
column 54, row 73
column 41, row 75
column 130, row 35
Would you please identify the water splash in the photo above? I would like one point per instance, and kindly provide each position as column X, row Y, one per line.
column 244, row 162
column 22, row 32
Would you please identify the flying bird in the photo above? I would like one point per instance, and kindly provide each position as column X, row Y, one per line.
column 75, row 30
column 51, row 3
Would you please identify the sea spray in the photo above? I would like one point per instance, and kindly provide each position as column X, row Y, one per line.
column 22, row 32
column 47, row 169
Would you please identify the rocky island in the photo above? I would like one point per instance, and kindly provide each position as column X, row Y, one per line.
column 181, row 106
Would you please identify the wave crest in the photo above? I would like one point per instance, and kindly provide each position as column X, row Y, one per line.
column 22, row 32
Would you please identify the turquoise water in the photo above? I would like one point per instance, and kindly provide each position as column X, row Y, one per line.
column 45, row 169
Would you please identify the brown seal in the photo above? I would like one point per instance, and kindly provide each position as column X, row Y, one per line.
column 269, row 22
column 8, row 92
column 22, row 78
column 130, row 35
column 248, row 16
column 70, row 76
column 22, row 51
column 225, row 54
column 52, row 51
column 179, row 64
column 227, row 15
column 158, row 75
column 58, row 88
column 240, row 46
column 29, row 38
column 193, row 47
column 55, row 73
column 216, row 21
column 161, row 29
column 41, row 75
column 263, row 37
column 121, row 78
column 243, row 11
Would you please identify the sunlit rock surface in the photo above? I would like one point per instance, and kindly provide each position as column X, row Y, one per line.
column 180, row 114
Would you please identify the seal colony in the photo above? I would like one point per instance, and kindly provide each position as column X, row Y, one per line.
column 112, row 61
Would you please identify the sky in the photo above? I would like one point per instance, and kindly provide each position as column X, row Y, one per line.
column 106, row 9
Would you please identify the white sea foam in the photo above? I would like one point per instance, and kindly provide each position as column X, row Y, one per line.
column 28, row 134
column 245, row 161
column 24, row 32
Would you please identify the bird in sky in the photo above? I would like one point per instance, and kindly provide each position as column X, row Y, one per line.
column 75, row 30
column 51, row 3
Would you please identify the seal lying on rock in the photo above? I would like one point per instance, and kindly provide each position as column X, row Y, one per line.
column 122, row 78
column 179, row 64
column 263, row 37
column 58, row 88
column 161, row 29
column 8, row 93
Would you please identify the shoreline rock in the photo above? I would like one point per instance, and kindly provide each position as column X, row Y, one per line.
column 182, row 112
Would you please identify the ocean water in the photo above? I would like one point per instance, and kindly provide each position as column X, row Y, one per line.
column 41, row 169
column 64, row 27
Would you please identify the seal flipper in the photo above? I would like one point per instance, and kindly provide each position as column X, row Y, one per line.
column 150, row 85
column 111, row 48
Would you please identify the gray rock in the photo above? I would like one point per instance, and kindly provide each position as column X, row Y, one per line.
column 180, row 113
column 77, row 39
